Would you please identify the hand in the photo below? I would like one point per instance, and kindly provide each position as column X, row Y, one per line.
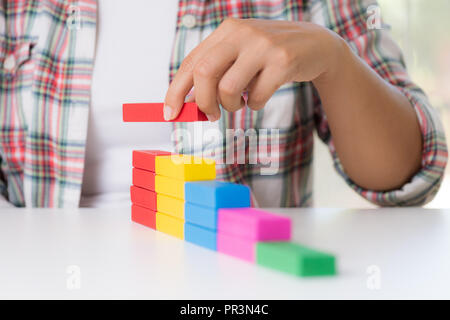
column 257, row 56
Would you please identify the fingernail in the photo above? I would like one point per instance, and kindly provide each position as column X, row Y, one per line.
column 167, row 113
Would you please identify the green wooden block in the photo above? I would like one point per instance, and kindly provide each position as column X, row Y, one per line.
column 295, row 259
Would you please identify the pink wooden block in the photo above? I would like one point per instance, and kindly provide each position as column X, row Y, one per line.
column 238, row 247
column 254, row 224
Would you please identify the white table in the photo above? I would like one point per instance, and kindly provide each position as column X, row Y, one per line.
column 120, row 259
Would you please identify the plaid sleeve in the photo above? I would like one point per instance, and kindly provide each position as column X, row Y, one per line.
column 375, row 46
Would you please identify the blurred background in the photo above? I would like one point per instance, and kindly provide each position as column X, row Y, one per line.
column 421, row 28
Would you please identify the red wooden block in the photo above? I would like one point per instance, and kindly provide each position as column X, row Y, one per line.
column 145, row 159
column 144, row 179
column 144, row 198
column 143, row 216
column 153, row 112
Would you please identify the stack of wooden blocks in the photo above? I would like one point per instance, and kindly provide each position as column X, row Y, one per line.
column 178, row 195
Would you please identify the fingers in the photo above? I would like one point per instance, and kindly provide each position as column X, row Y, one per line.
column 183, row 81
column 263, row 86
column 236, row 80
column 178, row 89
column 235, row 57
column 184, row 78
column 207, row 73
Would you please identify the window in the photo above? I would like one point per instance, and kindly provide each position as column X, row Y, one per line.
column 421, row 29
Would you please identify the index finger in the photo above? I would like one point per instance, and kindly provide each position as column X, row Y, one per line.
column 183, row 81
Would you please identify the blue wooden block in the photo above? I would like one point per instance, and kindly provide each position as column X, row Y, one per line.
column 217, row 194
column 200, row 236
column 200, row 215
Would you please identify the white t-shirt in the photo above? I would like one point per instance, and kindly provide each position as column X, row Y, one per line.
column 134, row 44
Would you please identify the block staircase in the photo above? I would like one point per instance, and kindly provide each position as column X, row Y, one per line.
column 178, row 195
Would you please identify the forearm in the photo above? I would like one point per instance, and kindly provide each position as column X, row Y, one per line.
column 375, row 130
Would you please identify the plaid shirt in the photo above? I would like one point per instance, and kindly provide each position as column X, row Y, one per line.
column 46, row 57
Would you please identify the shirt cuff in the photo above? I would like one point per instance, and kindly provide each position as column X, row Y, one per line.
column 424, row 185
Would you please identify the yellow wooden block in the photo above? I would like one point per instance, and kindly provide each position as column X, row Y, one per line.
column 170, row 225
column 170, row 206
column 169, row 186
column 185, row 167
